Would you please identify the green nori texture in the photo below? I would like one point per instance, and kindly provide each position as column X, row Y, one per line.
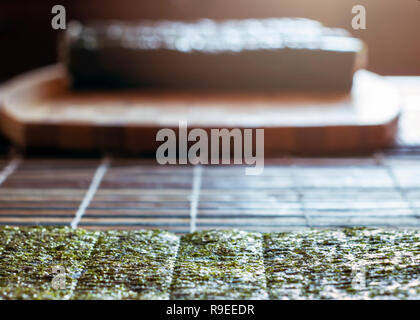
column 343, row 264
column 130, row 265
column 220, row 264
column 353, row 263
column 6, row 235
column 28, row 259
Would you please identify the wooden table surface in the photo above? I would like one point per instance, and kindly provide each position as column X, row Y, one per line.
column 382, row 189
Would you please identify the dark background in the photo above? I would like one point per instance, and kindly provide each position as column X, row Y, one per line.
column 393, row 26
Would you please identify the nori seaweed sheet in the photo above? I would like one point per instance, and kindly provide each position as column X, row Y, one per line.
column 355, row 263
column 27, row 262
column 220, row 264
column 129, row 265
column 6, row 235
column 343, row 264
column 240, row 55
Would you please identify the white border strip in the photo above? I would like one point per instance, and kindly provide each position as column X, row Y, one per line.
column 94, row 185
column 9, row 169
column 195, row 196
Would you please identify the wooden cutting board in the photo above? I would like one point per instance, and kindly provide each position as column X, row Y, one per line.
column 39, row 111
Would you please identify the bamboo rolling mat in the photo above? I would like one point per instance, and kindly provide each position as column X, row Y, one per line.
column 292, row 193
